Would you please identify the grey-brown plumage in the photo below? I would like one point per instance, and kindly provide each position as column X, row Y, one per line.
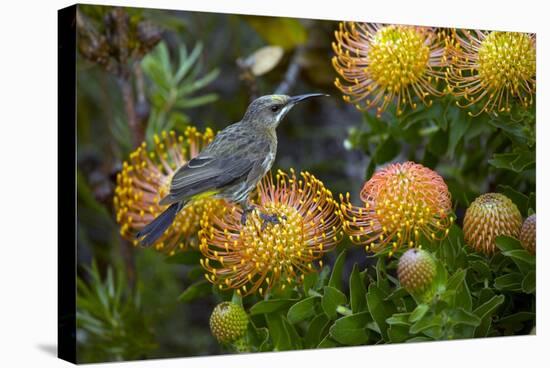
column 231, row 166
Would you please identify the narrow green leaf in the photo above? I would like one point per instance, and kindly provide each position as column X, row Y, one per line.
column 399, row 319
column 352, row 329
column 461, row 316
column 510, row 282
column 398, row 333
column 316, row 331
column 426, row 323
column 278, row 332
column 357, row 291
column 529, row 282
column 302, row 310
column 506, row 243
column 485, row 312
column 336, row 276
column 332, row 298
column 194, row 291
column 270, row 306
column 386, row 151
column 515, row 161
column 419, row 312
column 379, row 309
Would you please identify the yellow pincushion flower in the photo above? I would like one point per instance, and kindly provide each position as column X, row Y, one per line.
column 401, row 202
column 384, row 63
column 259, row 256
column 145, row 179
column 495, row 68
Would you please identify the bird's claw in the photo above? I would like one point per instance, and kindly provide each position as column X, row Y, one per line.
column 245, row 213
column 270, row 219
column 266, row 219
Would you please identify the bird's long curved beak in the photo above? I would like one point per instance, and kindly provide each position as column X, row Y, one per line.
column 300, row 98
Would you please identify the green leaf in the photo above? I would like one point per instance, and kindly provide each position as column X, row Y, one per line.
column 419, row 312
column 257, row 337
column 279, row 333
column 438, row 143
column 302, row 310
column 514, row 130
column 510, row 282
column 189, row 257
column 351, row 330
column 485, row 312
column 357, row 291
column 197, row 290
column 328, row 342
column 506, row 243
column 310, row 279
column 336, row 276
column 332, row 298
column 398, row 333
column 520, row 255
column 455, row 281
column 458, row 125
column 386, row 151
column 515, row 322
column 188, row 103
column 270, row 306
column 515, row 161
column 427, row 322
column 399, row 319
column 529, row 282
column 440, row 279
column 379, row 309
column 461, row 316
column 316, row 330
column 519, row 199
column 187, row 61
column 462, row 297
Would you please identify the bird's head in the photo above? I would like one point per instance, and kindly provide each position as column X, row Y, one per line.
column 271, row 109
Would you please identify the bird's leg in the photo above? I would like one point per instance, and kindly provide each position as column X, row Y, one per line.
column 270, row 219
column 247, row 208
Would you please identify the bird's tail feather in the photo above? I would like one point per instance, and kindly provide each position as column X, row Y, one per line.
column 154, row 230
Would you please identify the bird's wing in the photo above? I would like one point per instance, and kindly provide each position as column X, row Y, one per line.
column 214, row 168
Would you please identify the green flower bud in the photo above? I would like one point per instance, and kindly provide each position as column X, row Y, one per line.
column 228, row 322
column 416, row 271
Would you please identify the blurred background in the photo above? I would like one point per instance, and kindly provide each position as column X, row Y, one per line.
column 141, row 71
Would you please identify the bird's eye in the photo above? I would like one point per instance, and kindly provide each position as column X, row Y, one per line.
column 275, row 108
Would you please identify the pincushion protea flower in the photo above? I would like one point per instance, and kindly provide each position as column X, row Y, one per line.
column 145, row 179
column 493, row 67
column 228, row 322
column 383, row 63
column 401, row 202
column 490, row 215
column 416, row 271
column 528, row 234
column 259, row 256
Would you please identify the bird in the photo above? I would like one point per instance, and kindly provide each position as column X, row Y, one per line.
column 231, row 166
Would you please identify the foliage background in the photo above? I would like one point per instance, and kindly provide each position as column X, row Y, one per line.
column 128, row 298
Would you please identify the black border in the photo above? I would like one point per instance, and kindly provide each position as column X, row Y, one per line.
column 66, row 189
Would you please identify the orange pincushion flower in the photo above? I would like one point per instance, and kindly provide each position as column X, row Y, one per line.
column 401, row 202
column 259, row 256
column 145, row 179
column 493, row 67
column 383, row 63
